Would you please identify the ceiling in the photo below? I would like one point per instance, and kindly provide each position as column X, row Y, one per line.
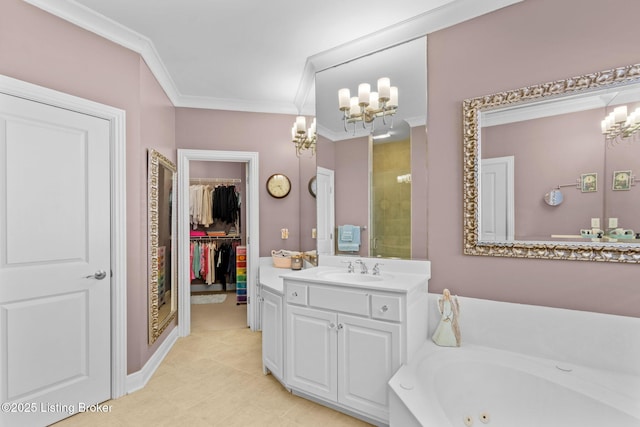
column 256, row 55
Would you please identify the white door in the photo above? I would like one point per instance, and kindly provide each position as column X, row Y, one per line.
column 368, row 356
column 312, row 351
column 497, row 203
column 54, row 262
column 272, row 332
column 325, row 202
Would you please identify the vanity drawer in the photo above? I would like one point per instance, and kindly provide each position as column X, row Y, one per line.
column 297, row 294
column 386, row 307
column 344, row 300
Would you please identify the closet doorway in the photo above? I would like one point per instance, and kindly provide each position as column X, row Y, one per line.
column 190, row 170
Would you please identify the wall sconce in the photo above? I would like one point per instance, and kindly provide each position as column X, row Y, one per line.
column 367, row 106
column 303, row 138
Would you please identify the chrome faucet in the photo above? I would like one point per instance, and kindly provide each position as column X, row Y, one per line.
column 363, row 266
column 350, row 268
column 376, row 269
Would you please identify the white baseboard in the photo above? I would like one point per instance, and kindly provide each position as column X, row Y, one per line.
column 138, row 380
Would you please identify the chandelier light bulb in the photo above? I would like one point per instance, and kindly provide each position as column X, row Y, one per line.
column 620, row 114
column 355, row 107
column 344, row 99
column 373, row 101
column 363, row 94
column 384, row 89
column 393, row 99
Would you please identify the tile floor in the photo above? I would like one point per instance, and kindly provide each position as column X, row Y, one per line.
column 214, row 378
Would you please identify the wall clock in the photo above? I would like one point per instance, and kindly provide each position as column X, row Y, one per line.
column 278, row 185
column 313, row 186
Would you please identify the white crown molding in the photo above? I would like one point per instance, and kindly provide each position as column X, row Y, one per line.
column 234, row 105
column 445, row 16
column 436, row 19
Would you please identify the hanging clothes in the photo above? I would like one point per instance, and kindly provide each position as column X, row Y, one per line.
column 226, row 204
column 208, row 204
column 203, row 264
column 200, row 205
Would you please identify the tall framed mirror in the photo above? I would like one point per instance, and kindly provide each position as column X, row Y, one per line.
column 546, row 177
column 378, row 164
column 162, row 285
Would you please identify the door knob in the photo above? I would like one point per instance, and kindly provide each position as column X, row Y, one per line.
column 100, row 274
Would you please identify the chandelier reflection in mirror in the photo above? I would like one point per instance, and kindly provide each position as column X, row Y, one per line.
column 368, row 106
column 303, row 138
column 618, row 124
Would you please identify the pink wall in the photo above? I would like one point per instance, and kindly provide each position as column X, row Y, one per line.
column 270, row 136
column 351, row 184
column 531, row 42
column 548, row 152
column 308, row 212
column 157, row 130
column 39, row 48
column 419, row 195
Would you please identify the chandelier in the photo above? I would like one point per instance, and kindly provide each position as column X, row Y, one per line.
column 368, row 106
column 620, row 125
column 303, row 138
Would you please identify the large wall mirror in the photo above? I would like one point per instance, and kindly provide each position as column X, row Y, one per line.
column 380, row 166
column 162, row 283
column 553, row 170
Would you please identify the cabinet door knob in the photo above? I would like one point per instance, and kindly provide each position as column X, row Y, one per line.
column 384, row 308
column 340, row 326
column 332, row 325
column 295, row 294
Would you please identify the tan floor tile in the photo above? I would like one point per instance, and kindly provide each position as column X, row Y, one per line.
column 214, row 378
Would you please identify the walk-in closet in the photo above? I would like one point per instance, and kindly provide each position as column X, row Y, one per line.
column 217, row 239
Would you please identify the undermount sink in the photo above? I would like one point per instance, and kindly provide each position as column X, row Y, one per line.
column 351, row 277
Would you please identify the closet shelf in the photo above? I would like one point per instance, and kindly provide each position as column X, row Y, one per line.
column 230, row 237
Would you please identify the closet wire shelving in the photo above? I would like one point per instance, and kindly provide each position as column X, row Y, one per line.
column 240, row 292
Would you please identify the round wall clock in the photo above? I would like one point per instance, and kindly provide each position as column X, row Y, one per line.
column 313, row 186
column 278, row 185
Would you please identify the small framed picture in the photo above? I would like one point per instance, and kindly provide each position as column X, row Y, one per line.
column 621, row 180
column 589, row 182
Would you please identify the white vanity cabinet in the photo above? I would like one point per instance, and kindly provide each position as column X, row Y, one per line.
column 342, row 358
column 344, row 343
column 272, row 345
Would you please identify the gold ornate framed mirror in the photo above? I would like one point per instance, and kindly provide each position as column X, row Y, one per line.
column 592, row 236
column 162, row 219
